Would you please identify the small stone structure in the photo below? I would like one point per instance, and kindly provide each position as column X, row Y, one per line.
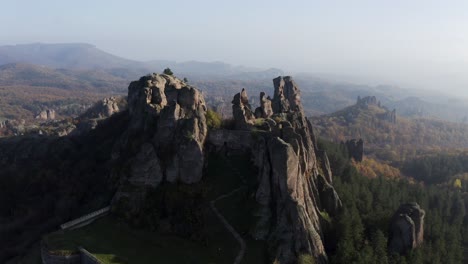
column 82, row 256
column 86, row 219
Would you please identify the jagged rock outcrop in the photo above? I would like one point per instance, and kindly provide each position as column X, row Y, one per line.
column 103, row 108
column 294, row 186
column 355, row 149
column 165, row 138
column 99, row 111
column 390, row 116
column 406, row 228
column 287, row 96
column 48, row 114
column 264, row 110
column 242, row 111
column 367, row 101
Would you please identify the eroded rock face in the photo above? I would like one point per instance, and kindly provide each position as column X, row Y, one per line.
column 165, row 138
column 294, row 187
column 265, row 110
column 355, row 149
column 287, row 95
column 242, row 111
column 103, row 108
column 406, row 228
column 367, row 101
column 48, row 114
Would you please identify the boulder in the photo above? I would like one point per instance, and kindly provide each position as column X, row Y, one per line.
column 406, row 228
column 355, row 149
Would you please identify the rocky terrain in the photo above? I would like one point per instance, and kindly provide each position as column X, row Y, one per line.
column 165, row 143
column 151, row 159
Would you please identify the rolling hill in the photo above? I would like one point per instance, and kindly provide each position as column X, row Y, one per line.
column 391, row 140
column 68, row 55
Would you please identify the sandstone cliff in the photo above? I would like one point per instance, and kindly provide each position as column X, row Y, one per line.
column 164, row 140
column 294, row 177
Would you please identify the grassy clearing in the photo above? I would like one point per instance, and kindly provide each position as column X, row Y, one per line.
column 237, row 209
column 114, row 242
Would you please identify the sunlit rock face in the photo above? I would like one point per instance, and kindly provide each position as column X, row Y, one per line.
column 165, row 136
column 294, row 186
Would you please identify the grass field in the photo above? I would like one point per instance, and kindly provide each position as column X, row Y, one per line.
column 112, row 241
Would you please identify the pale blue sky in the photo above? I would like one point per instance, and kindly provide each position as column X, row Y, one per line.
column 413, row 42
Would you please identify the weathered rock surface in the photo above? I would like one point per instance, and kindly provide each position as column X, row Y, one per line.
column 264, row 110
column 287, row 96
column 103, row 108
column 242, row 112
column 367, row 101
column 293, row 186
column 48, row 114
column 355, row 149
column 390, row 116
column 165, row 138
column 406, row 228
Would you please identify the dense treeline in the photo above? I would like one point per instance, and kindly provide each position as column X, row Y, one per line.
column 360, row 233
column 437, row 168
column 406, row 139
column 47, row 180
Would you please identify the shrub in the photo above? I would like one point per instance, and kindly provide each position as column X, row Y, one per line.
column 306, row 259
column 168, row 71
column 213, row 119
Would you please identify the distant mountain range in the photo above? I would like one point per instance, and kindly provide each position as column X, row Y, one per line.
column 79, row 66
column 80, row 56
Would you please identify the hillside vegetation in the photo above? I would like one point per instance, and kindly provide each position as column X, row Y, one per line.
column 362, row 232
column 388, row 140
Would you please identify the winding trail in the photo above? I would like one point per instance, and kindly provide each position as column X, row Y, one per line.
column 229, row 227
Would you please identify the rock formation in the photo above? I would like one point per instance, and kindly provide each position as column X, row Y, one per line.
column 294, row 187
column 287, row 95
column 390, row 116
column 355, row 149
column 165, row 138
column 103, row 108
column 48, row 114
column 264, row 110
column 367, row 101
column 242, row 111
column 406, row 228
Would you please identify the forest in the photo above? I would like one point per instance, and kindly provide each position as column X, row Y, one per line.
column 360, row 234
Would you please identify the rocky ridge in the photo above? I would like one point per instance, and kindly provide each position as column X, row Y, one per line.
column 294, row 177
column 166, row 140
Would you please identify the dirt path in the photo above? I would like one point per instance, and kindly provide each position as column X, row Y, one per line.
column 231, row 229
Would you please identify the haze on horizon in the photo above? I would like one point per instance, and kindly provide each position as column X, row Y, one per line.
column 421, row 44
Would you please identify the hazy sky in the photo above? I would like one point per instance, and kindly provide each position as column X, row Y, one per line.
column 409, row 42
